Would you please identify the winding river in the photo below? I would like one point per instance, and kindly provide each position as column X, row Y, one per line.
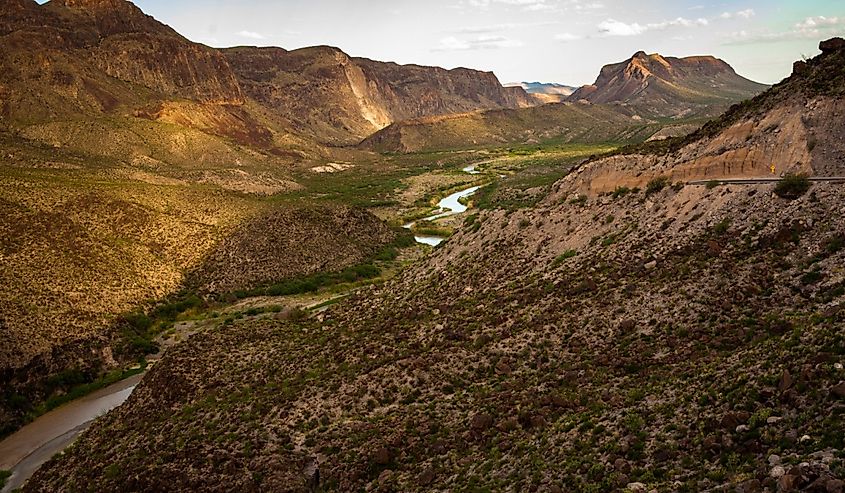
column 26, row 450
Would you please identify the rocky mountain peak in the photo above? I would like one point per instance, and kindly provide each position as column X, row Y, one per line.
column 112, row 16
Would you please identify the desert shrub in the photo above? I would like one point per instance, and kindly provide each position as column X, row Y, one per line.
column 656, row 185
column 620, row 192
column 563, row 256
column 722, row 226
column 792, row 186
column 712, row 184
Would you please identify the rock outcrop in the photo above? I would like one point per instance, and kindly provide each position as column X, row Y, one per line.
column 669, row 86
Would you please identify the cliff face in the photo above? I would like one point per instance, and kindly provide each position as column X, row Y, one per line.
column 340, row 100
column 669, row 86
column 795, row 127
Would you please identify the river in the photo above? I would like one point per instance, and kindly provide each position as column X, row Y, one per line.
column 26, row 450
column 30, row 447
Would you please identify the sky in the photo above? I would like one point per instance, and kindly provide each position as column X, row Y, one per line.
column 563, row 41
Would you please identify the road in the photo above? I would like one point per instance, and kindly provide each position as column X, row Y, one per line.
column 757, row 181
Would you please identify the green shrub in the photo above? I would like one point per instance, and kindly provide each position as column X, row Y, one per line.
column 712, row 184
column 563, row 256
column 4, row 475
column 656, row 185
column 620, row 192
column 722, row 226
column 792, row 186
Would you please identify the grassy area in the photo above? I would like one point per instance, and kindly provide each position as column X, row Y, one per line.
column 530, row 171
column 4, row 475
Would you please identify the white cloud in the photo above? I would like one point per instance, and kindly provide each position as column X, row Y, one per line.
column 250, row 35
column 742, row 14
column 815, row 28
column 483, row 42
column 612, row 27
column 567, row 37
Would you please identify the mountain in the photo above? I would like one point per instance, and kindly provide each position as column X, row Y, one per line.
column 675, row 337
column 339, row 100
column 669, row 86
column 72, row 59
column 793, row 127
column 630, row 102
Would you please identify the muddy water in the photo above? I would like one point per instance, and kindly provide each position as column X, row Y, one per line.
column 25, row 451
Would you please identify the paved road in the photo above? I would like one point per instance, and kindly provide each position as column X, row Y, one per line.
column 756, row 181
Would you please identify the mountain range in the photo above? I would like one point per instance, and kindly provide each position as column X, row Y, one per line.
column 647, row 325
column 630, row 100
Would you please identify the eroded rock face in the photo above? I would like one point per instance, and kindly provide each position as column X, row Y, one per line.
column 652, row 81
column 340, row 99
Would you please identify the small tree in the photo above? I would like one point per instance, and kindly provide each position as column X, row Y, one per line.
column 792, row 186
column 656, row 185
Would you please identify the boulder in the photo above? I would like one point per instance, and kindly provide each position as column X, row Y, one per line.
column 832, row 45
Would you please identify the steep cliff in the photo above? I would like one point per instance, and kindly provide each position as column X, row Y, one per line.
column 338, row 99
column 669, row 86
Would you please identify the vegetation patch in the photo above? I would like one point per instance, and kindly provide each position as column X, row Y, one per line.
column 792, row 186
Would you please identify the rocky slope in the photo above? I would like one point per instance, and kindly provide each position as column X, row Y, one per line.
column 337, row 99
column 563, row 122
column 670, row 86
column 630, row 102
column 795, row 127
column 682, row 338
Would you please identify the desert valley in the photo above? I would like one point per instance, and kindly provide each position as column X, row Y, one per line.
column 262, row 269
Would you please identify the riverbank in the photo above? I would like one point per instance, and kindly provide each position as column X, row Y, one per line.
column 23, row 452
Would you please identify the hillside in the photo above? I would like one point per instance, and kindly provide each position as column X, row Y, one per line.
column 672, row 338
column 795, row 127
column 669, row 86
column 646, row 96
column 561, row 122
column 339, row 100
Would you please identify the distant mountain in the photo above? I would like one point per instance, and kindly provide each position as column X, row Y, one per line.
column 68, row 59
column 337, row 99
column 668, row 86
column 543, row 88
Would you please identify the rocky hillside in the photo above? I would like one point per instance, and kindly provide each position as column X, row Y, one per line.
column 337, row 99
column 563, row 122
column 676, row 338
column 678, row 87
column 290, row 242
column 795, row 127
column 630, row 102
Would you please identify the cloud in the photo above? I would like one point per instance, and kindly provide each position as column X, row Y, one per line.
column 483, row 42
column 566, row 37
column 742, row 14
column 612, row 27
column 810, row 28
column 536, row 5
column 497, row 28
column 250, row 35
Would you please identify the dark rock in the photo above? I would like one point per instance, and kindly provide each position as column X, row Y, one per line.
column 382, row 456
column 426, row 477
column 800, row 67
column 832, row 45
column 481, row 422
column 786, row 382
column 838, row 390
column 729, row 421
